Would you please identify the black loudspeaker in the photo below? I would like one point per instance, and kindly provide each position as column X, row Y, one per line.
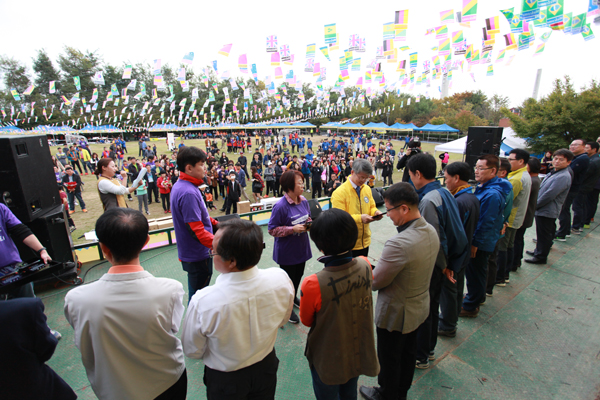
column 223, row 218
column 52, row 230
column 377, row 197
column 27, row 182
column 315, row 209
column 482, row 140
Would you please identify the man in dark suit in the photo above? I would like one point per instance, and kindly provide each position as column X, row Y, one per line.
column 72, row 182
column 27, row 344
column 234, row 191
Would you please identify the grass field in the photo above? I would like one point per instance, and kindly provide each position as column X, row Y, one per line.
column 85, row 222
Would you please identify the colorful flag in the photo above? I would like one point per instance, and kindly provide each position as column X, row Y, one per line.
column 493, row 25
column 401, row 66
column 447, row 15
column 542, row 21
column 401, row 20
column 490, row 70
column 271, row 44
column 275, row 60
column 577, row 24
column 587, row 33
column 127, row 72
column 243, row 64
column 29, row 90
column 356, row 64
column 457, row 38
column 508, row 13
column 330, row 34
column 114, row 90
column 555, row 13
column 567, row 22
column 278, row 73
column 529, row 10
column 77, row 82
column 344, row 75
column 516, row 24
column 325, row 52
column 310, row 50
column 226, row 49
column 540, row 49
column 501, row 56
column 188, row 58
column 359, row 83
column 469, row 11
column 444, row 47
column 388, row 47
column 52, row 87
column 65, row 100
column 389, row 31
column 441, row 32
column 413, row 60
column 157, row 67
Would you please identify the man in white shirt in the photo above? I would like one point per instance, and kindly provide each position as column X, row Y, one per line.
column 233, row 324
column 125, row 323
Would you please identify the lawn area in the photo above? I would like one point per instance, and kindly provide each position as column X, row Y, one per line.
column 85, row 222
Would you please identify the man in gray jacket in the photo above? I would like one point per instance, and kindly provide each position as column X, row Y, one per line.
column 402, row 277
column 552, row 195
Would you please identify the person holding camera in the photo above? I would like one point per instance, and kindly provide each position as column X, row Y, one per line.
column 414, row 147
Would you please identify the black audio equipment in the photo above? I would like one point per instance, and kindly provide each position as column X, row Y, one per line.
column 13, row 277
column 377, row 197
column 27, row 182
column 315, row 208
column 482, row 140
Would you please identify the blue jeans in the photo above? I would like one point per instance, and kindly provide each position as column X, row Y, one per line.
column 71, row 197
column 346, row 391
column 199, row 274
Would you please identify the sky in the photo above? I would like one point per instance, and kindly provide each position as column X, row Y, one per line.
column 128, row 32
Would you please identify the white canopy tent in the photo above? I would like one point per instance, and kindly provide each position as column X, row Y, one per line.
column 510, row 141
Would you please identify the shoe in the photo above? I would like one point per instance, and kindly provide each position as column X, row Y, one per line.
column 431, row 356
column 507, row 280
column 56, row 334
column 222, row 209
column 586, row 226
column 72, row 229
column 489, row 294
column 130, row 199
column 422, row 364
column 297, row 302
column 501, row 283
column 567, row 235
column 71, row 212
column 451, row 333
column 166, row 212
column 148, row 212
column 535, row 260
column 84, row 210
column 576, row 231
column 530, row 253
column 294, row 318
column 534, row 240
column 370, row 393
column 469, row 314
column 308, row 191
column 169, row 211
column 560, row 239
column 482, row 302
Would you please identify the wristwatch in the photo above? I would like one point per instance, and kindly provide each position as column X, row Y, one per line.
column 39, row 252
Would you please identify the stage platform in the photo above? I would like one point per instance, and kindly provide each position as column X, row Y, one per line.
column 536, row 338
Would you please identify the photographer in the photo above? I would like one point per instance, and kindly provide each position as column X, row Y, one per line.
column 414, row 147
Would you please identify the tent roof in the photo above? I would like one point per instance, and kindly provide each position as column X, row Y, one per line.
column 510, row 141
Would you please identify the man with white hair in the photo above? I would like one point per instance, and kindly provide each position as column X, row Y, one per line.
column 354, row 197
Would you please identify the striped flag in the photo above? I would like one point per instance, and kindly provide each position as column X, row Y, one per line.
column 447, row 15
column 401, row 20
column 188, row 58
column 330, row 34
column 493, row 25
column 469, row 11
column 275, row 60
column 225, row 50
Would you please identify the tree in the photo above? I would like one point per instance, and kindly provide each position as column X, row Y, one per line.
column 84, row 65
column 562, row 116
column 15, row 74
column 464, row 119
column 45, row 72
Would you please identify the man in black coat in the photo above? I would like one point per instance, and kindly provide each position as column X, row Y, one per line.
column 457, row 176
column 243, row 161
column 234, row 191
column 413, row 148
column 26, row 346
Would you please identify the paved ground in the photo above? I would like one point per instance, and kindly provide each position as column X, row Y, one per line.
column 537, row 338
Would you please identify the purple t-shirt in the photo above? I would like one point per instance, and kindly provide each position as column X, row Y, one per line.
column 8, row 250
column 187, row 205
column 295, row 248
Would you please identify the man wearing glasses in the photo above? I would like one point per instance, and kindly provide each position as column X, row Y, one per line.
column 354, row 197
column 402, row 278
column 491, row 192
column 439, row 208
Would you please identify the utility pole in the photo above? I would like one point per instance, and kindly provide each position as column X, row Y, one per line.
column 536, row 87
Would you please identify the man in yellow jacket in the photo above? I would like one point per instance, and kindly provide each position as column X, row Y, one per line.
column 354, row 197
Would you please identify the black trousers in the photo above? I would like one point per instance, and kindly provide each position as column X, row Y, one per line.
column 228, row 203
column 427, row 332
column 316, row 188
column 176, row 392
column 276, row 188
column 518, row 249
column 152, row 188
column 592, row 205
column 362, row 252
column 166, row 201
column 476, row 276
column 451, row 300
column 397, row 356
column 565, row 216
column 579, row 210
column 544, row 229
column 295, row 273
column 256, row 382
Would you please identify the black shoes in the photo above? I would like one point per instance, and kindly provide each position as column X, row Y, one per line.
column 535, row 260
column 530, row 253
column 370, row 393
column 296, row 302
column 294, row 318
column 450, row 334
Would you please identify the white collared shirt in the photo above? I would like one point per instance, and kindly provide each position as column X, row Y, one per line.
column 125, row 326
column 233, row 324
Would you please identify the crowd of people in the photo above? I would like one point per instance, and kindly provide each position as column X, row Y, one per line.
column 447, row 238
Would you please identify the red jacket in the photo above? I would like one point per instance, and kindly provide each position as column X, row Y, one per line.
column 166, row 188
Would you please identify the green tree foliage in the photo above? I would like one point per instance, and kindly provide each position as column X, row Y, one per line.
column 554, row 121
column 45, row 72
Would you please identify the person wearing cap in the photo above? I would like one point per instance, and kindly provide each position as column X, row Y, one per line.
column 72, row 182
